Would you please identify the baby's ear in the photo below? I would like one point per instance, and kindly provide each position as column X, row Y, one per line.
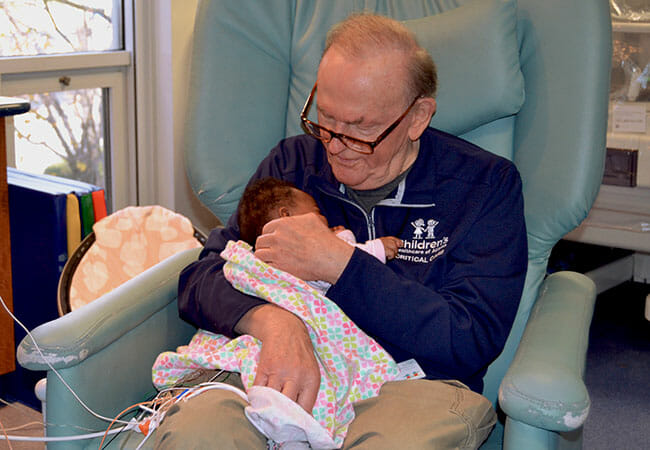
column 284, row 211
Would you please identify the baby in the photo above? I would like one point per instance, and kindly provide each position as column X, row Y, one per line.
column 269, row 198
column 352, row 367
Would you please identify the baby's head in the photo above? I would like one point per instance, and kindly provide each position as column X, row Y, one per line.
column 267, row 199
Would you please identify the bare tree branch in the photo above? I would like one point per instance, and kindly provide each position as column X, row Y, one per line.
column 97, row 11
column 49, row 103
column 18, row 31
column 29, row 139
column 56, row 27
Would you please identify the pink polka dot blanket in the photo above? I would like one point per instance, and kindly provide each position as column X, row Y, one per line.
column 353, row 366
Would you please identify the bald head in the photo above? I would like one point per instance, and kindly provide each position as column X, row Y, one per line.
column 366, row 36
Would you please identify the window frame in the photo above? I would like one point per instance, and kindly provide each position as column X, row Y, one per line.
column 111, row 70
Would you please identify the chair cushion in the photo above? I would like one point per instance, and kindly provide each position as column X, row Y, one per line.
column 477, row 57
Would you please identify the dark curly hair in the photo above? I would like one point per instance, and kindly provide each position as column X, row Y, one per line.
column 256, row 204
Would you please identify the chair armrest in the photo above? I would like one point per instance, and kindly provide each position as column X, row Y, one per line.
column 76, row 336
column 544, row 385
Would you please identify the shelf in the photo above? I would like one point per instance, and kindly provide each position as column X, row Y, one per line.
column 8, row 106
column 631, row 27
column 619, row 218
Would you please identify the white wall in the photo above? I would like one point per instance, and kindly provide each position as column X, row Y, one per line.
column 182, row 26
column 163, row 58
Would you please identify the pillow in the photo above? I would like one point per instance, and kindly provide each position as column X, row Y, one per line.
column 127, row 243
column 476, row 53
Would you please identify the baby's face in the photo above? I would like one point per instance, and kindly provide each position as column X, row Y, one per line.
column 305, row 204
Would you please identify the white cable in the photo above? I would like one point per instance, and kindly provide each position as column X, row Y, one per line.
column 154, row 421
column 76, row 437
column 149, row 410
column 214, row 385
column 99, row 416
column 130, row 425
column 142, row 442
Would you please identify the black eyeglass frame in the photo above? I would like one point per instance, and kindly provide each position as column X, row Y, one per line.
column 333, row 134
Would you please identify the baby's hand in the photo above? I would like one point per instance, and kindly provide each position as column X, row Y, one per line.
column 337, row 228
column 391, row 244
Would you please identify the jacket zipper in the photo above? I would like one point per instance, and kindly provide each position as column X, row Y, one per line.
column 370, row 219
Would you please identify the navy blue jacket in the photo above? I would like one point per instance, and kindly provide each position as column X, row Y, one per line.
column 450, row 296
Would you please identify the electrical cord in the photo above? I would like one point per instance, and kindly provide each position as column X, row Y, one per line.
column 78, row 437
column 8, row 438
column 48, row 424
column 99, row 416
column 138, row 419
column 23, row 426
column 156, row 408
column 115, row 419
column 5, row 435
column 143, row 425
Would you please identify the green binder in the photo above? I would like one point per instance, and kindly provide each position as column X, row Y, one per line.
column 87, row 212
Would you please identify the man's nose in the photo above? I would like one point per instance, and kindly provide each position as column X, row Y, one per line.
column 335, row 146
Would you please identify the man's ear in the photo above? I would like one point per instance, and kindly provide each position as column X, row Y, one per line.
column 423, row 111
column 283, row 211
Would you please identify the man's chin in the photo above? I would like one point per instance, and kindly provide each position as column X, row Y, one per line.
column 347, row 176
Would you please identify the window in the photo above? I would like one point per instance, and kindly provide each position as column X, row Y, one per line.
column 63, row 135
column 38, row 27
column 72, row 61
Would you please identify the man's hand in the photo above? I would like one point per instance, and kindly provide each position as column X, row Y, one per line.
column 287, row 362
column 303, row 246
column 391, row 245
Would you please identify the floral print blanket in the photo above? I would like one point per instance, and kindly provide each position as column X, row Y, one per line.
column 353, row 366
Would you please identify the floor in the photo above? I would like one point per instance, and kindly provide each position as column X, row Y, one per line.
column 30, row 422
column 618, row 371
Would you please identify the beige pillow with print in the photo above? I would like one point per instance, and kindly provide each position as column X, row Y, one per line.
column 127, row 243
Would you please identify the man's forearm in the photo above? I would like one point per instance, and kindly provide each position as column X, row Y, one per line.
column 258, row 320
column 251, row 322
column 208, row 301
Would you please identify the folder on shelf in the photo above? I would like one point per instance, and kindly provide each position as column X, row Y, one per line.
column 83, row 191
column 99, row 204
column 87, row 213
column 73, row 222
column 79, row 205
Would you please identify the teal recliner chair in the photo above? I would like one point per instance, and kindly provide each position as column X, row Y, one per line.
column 528, row 80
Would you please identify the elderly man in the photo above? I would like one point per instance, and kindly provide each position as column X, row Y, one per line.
column 446, row 302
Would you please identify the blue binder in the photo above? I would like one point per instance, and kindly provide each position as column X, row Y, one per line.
column 39, row 251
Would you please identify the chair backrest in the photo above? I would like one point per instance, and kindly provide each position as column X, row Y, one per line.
column 526, row 79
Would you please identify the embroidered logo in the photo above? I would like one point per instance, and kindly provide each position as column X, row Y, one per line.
column 424, row 247
column 420, row 228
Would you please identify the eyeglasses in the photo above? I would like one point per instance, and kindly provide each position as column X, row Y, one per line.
column 358, row 145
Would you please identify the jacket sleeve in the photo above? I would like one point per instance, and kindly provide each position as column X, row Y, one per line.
column 205, row 298
column 458, row 326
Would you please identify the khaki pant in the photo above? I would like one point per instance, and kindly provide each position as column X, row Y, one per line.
column 415, row 414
